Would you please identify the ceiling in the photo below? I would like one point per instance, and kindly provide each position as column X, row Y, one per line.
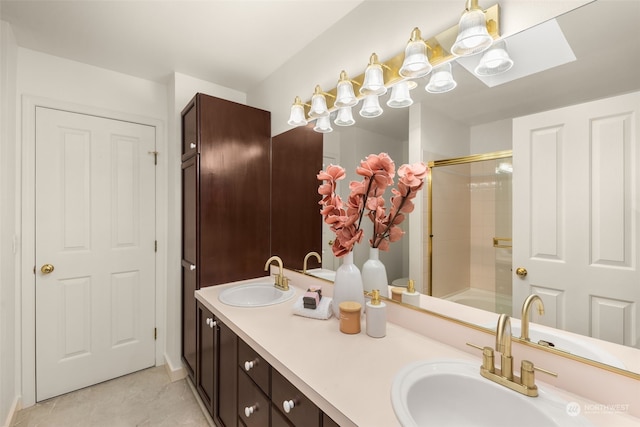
column 221, row 41
column 233, row 43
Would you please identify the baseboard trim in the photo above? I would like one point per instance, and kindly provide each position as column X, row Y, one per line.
column 13, row 412
column 175, row 373
column 200, row 403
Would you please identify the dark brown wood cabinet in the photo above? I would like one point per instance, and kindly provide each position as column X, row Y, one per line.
column 225, row 230
column 206, row 372
column 296, row 161
column 224, row 411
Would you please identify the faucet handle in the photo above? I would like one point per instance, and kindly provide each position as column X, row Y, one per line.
column 527, row 373
column 487, row 357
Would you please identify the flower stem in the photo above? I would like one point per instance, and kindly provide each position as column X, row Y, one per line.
column 384, row 234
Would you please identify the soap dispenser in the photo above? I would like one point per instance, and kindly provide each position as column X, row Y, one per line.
column 376, row 316
column 410, row 296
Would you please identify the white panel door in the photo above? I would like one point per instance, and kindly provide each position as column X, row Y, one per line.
column 576, row 217
column 95, row 224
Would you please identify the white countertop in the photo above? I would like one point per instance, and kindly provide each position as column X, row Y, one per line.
column 349, row 377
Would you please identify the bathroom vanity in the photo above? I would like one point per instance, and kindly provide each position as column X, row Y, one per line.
column 334, row 378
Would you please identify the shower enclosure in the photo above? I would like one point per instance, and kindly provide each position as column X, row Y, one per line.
column 469, row 230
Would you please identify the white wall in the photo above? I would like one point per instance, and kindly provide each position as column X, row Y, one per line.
column 9, row 373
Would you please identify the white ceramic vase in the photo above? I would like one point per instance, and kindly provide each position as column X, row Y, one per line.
column 347, row 285
column 374, row 274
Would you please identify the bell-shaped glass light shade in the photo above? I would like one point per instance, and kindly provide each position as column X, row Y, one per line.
column 373, row 78
column 495, row 60
column 473, row 36
column 323, row 125
column 400, row 96
column 371, row 107
column 441, row 79
column 415, row 64
column 296, row 118
column 344, row 117
column 318, row 105
column 345, row 95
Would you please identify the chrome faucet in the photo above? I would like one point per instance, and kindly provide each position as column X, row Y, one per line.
column 503, row 346
column 526, row 308
column 281, row 282
column 306, row 258
column 526, row 382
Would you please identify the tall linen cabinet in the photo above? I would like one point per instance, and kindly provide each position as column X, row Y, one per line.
column 225, row 213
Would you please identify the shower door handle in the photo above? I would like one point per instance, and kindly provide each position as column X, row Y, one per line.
column 521, row 272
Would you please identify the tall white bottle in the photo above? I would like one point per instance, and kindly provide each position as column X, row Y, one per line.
column 376, row 316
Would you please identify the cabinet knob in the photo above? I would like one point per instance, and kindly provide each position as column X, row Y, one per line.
column 192, row 145
column 248, row 410
column 288, row 405
column 208, row 321
column 192, row 267
column 249, row 364
column 213, row 324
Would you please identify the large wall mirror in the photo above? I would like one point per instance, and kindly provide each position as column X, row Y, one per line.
column 591, row 53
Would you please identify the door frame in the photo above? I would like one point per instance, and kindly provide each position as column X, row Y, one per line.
column 26, row 189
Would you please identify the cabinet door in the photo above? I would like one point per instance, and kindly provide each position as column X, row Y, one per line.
column 189, row 257
column 253, row 405
column 304, row 412
column 189, row 130
column 190, row 210
column 206, row 374
column 189, row 320
column 226, row 402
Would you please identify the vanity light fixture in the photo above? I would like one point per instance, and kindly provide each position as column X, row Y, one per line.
column 345, row 97
column 323, row 125
column 373, row 78
column 473, row 36
column 495, row 60
column 297, row 118
column 318, row 104
column 344, row 117
column 476, row 30
column 400, row 96
column 416, row 63
column 371, row 106
column 441, row 79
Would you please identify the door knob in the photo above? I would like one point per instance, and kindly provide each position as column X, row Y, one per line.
column 46, row 269
column 330, row 242
column 521, row 272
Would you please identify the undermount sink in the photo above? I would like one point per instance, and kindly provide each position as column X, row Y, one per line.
column 255, row 295
column 452, row 393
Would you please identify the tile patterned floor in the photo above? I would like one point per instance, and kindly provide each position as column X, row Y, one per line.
column 146, row 398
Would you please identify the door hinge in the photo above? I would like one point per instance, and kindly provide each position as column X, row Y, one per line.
column 155, row 333
column 155, row 157
column 155, row 246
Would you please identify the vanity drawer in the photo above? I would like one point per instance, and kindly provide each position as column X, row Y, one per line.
column 254, row 366
column 250, row 396
column 304, row 413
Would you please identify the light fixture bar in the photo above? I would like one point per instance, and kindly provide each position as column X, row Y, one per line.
column 391, row 67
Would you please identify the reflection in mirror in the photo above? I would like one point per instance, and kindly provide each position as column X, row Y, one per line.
column 478, row 117
column 470, row 231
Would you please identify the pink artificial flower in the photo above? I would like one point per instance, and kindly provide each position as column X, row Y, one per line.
column 378, row 171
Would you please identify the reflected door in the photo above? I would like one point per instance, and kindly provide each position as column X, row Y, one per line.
column 95, row 235
column 576, row 195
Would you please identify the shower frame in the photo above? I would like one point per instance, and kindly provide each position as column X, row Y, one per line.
column 496, row 155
